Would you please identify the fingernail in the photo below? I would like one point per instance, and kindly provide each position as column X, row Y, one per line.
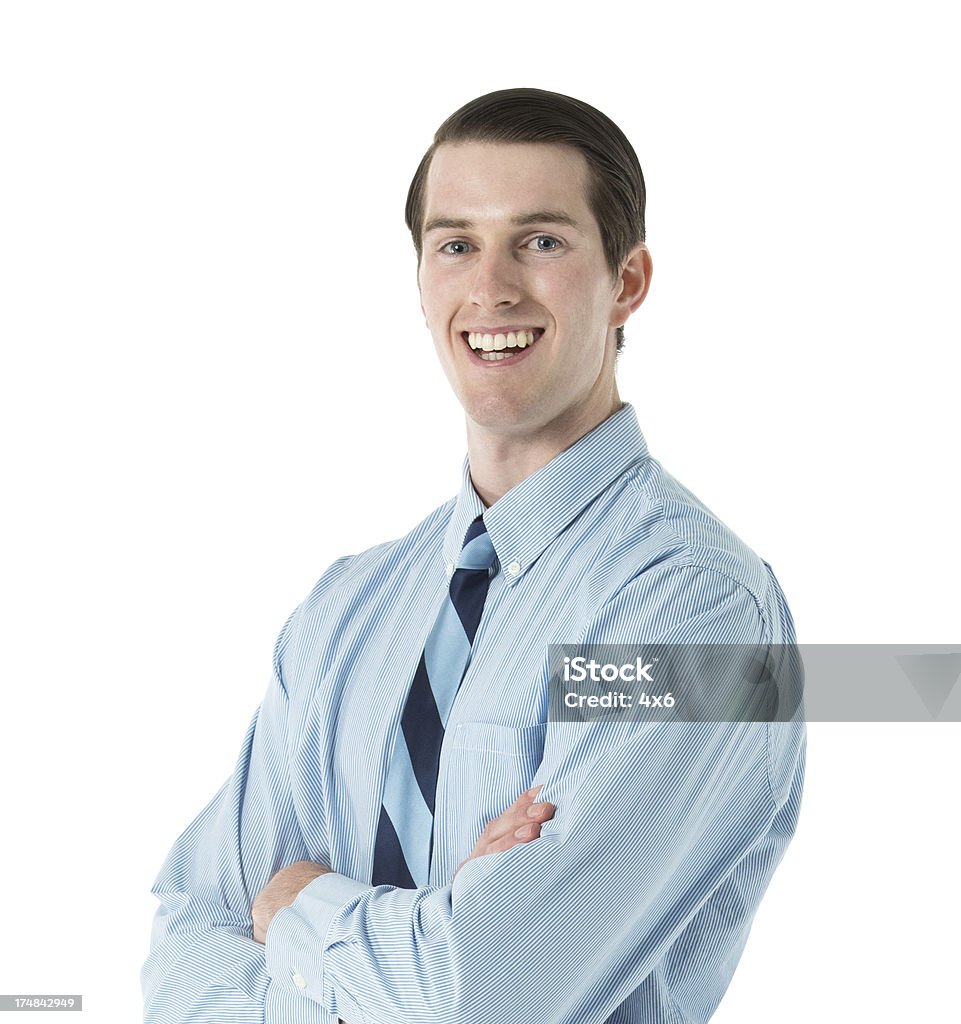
column 534, row 810
column 524, row 831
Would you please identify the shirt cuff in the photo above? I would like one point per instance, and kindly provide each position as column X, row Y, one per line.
column 297, row 940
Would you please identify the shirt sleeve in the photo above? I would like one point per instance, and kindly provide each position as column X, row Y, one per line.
column 204, row 963
column 650, row 821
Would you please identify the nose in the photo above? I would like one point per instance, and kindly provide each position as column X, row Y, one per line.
column 496, row 280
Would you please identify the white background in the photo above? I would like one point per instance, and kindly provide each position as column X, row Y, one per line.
column 214, row 367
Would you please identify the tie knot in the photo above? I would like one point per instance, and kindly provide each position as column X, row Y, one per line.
column 478, row 550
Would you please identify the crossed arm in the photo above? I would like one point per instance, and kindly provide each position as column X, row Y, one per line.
column 520, row 823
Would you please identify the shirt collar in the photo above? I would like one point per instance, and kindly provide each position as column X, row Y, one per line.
column 530, row 515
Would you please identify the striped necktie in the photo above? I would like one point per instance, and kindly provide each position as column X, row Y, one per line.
column 405, row 831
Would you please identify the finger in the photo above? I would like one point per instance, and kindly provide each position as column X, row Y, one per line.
column 524, row 834
column 509, row 819
column 510, row 822
column 516, row 818
column 525, row 798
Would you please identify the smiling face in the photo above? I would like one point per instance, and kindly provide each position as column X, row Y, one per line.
column 516, row 290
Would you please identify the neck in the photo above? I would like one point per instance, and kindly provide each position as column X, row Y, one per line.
column 499, row 460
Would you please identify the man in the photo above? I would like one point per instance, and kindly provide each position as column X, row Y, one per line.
column 620, row 885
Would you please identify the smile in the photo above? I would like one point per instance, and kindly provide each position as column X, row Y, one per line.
column 493, row 347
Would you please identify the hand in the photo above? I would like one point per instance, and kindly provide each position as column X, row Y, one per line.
column 281, row 891
column 520, row 823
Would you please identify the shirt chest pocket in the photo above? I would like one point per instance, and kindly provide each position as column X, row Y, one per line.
column 486, row 768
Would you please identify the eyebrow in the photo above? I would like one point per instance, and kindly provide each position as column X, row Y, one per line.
column 537, row 217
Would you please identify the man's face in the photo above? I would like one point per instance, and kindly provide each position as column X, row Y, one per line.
column 512, row 253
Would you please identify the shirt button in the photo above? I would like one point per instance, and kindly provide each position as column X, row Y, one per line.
column 298, row 979
column 514, row 569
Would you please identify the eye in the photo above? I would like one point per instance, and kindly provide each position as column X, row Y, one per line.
column 546, row 243
column 455, row 248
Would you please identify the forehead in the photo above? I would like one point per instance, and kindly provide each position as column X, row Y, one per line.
column 479, row 181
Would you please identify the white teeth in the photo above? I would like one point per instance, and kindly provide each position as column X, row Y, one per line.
column 491, row 356
column 498, row 342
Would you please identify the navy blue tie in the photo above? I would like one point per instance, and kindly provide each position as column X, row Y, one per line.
column 405, row 830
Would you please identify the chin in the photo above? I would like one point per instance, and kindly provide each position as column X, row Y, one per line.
column 498, row 415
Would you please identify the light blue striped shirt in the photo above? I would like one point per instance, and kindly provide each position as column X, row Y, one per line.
column 635, row 902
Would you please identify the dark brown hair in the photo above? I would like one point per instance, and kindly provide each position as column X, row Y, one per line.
column 616, row 193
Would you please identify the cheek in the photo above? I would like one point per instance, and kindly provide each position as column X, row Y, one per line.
column 581, row 308
column 436, row 302
column 576, row 291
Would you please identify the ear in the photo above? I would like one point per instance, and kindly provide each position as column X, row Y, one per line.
column 632, row 284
